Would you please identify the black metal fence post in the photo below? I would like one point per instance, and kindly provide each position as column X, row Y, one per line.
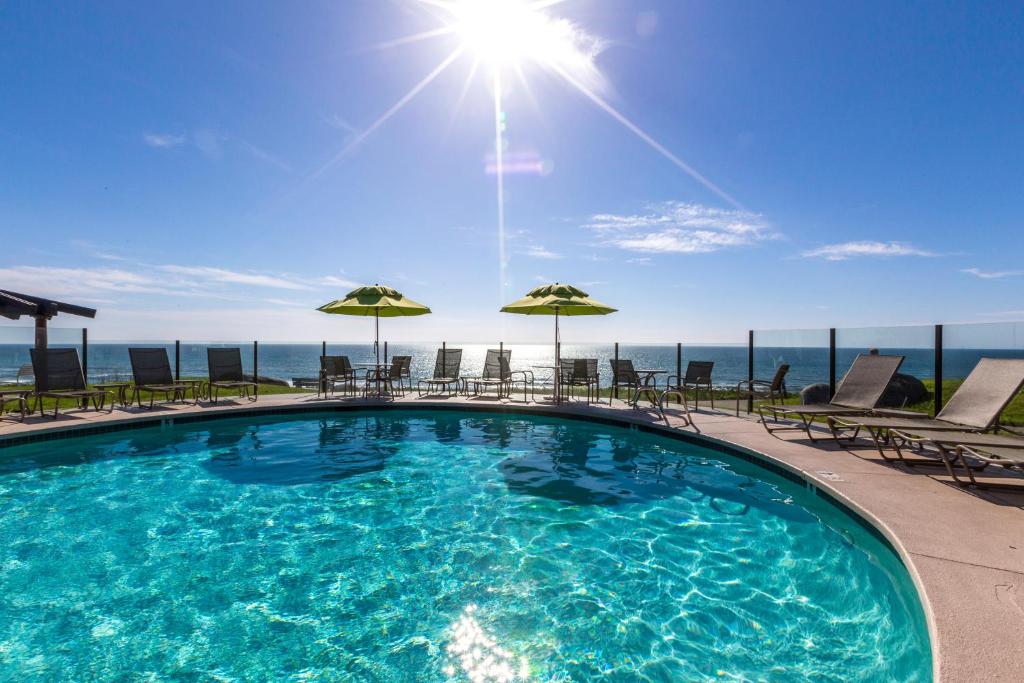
column 385, row 353
column 177, row 360
column 615, row 371
column 750, row 370
column 831, row 362
column 938, row 369
column 85, row 354
column 256, row 367
column 679, row 367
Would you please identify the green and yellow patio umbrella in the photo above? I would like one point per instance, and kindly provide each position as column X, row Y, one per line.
column 557, row 300
column 378, row 301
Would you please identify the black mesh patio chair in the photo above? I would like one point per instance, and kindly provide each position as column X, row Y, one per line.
column 696, row 377
column 760, row 389
column 225, row 368
column 404, row 364
column 64, row 380
column 624, row 376
column 858, row 394
column 335, row 370
column 151, row 371
column 446, row 374
column 497, row 374
column 583, row 373
column 974, row 407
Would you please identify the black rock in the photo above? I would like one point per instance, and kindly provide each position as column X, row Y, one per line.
column 904, row 390
column 814, row 393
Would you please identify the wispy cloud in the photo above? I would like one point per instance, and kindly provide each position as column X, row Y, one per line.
column 264, row 155
column 204, row 274
column 641, row 260
column 96, row 252
column 539, row 251
column 681, row 228
column 848, row 250
column 335, row 281
column 163, row 139
column 992, row 274
column 57, row 282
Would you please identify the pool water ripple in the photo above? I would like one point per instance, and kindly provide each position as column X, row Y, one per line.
column 422, row 546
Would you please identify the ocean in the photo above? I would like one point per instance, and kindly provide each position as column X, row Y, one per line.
column 109, row 361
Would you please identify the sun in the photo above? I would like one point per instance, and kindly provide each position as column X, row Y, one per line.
column 515, row 33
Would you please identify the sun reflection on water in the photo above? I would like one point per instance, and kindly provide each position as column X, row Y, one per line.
column 476, row 656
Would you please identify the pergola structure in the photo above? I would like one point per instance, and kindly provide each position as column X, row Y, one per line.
column 14, row 305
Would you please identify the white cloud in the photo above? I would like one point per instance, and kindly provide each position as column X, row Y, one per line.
column 334, row 281
column 538, row 251
column 847, row 250
column 204, row 274
column 992, row 274
column 681, row 228
column 163, row 139
column 71, row 282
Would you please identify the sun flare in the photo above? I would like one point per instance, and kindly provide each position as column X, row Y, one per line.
column 516, row 33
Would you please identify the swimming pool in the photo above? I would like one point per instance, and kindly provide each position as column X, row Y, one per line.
column 434, row 545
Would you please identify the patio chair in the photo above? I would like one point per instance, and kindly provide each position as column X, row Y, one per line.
column 496, row 373
column 225, row 368
column 404, row 364
column 858, row 393
column 446, row 373
column 761, row 389
column 974, row 407
column 969, row 451
column 624, row 376
column 335, row 370
column 390, row 381
column 697, row 377
column 583, row 373
column 64, row 380
column 151, row 370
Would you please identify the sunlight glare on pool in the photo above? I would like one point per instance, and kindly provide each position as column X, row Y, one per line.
column 433, row 546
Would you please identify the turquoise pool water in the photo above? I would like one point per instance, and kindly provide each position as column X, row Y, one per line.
column 433, row 546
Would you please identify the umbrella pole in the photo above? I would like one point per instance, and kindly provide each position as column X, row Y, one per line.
column 558, row 364
column 376, row 347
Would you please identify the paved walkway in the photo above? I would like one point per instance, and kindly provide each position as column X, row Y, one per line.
column 964, row 549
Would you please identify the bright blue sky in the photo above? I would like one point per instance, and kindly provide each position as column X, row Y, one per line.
column 171, row 163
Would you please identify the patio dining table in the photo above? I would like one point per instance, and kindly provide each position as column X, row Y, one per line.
column 556, row 396
column 380, row 372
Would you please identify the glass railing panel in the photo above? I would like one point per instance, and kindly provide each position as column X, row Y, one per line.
column 913, row 386
column 805, row 351
column 15, row 342
column 964, row 345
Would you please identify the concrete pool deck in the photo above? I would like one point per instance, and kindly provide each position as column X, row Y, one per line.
column 963, row 548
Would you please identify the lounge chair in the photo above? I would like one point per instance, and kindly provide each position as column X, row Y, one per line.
column 624, row 376
column 335, row 370
column 496, row 373
column 151, row 370
column 858, row 394
column 446, row 373
column 968, row 451
column 64, row 380
column 225, row 368
column 583, row 373
column 761, row 389
column 974, row 407
column 697, row 377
